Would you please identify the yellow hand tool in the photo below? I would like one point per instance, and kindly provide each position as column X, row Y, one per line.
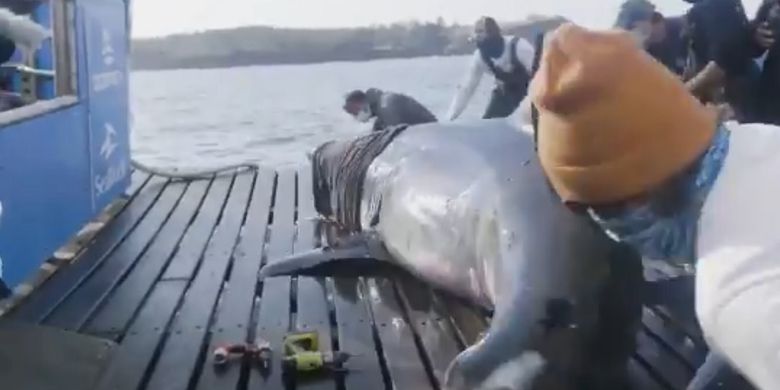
column 302, row 354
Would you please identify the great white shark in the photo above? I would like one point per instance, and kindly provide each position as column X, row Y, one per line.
column 466, row 208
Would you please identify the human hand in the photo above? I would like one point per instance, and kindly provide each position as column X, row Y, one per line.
column 724, row 111
column 764, row 36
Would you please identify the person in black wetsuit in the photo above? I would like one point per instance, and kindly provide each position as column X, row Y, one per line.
column 508, row 58
column 389, row 108
column 721, row 56
column 766, row 30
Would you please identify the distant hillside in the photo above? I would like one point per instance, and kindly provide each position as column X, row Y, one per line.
column 268, row 45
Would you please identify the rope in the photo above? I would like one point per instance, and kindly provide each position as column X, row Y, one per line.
column 201, row 174
column 338, row 172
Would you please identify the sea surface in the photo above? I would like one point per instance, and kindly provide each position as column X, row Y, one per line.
column 273, row 115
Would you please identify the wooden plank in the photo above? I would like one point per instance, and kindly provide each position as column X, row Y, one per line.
column 313, row 307
column 640, row 379
column 47, row 296
column 674, row 300
column 716, row 373
column 126, row 371
column 146, row 251
column 313, row 316
column 405, row 365
column 674, row 339
column 356, row 335
column 685, row 322
column 664, row 366
column 306, row 210
column 189, row 253
column 430, row 325
column 183, row 351
column 43, row 358
column 273, row 320
column 138, row 180
column 238, row 297
column 468, row 323
column 117, row 312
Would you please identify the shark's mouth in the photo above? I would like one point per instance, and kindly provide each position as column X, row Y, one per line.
column 338, row 170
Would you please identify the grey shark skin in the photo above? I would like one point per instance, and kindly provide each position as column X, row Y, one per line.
column 466, row 208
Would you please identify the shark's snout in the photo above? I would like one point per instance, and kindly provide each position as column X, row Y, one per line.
column 474, row 369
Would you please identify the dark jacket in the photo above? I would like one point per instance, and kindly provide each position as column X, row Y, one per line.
column 392, row 109
column 672, row 51
column 769, row 86
column 719, row 31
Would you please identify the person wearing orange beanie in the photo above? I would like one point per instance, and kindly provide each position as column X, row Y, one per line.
column 621, row 137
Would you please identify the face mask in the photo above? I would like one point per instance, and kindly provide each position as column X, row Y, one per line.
column 493, row 47
column 671, row 238
column 640, row 36
column 364, row 115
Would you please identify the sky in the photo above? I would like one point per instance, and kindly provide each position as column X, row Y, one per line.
column 164, row 17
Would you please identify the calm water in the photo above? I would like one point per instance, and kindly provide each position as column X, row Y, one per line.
column 273, row 115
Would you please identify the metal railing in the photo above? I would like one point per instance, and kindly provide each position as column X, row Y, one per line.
column 28, row 79
column 26, row 70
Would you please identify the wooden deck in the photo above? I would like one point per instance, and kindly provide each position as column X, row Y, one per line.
column 175, row 274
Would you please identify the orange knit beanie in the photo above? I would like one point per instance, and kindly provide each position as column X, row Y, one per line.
column 613, row 122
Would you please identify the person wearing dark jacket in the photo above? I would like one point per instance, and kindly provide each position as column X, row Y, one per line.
column 766, row 29
column 666, row 43
column 389, row 108
column 721, row 55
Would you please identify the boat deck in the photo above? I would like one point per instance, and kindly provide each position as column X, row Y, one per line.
column 174, row 275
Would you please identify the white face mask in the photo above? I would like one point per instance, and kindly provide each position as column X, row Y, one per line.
column 364, row 115
column 641, row 35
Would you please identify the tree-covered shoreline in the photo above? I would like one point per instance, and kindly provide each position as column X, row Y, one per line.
column 259, row 45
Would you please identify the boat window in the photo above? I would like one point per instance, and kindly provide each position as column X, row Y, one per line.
column 64, row 39
column 46, row 75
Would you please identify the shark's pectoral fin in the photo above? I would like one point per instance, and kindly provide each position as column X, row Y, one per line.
column 357, row 256
column 481, row 367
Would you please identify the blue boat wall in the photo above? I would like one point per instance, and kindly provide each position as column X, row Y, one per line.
column 65, row 156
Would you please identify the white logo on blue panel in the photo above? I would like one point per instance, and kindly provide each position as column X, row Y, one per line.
column 108, row 49
column 109, row 144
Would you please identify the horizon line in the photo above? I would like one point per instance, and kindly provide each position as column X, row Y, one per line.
column 529, row 18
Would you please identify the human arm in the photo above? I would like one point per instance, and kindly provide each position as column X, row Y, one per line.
column 738, row 272
column 722, row 42
column 467, row 87
column 706, row 80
